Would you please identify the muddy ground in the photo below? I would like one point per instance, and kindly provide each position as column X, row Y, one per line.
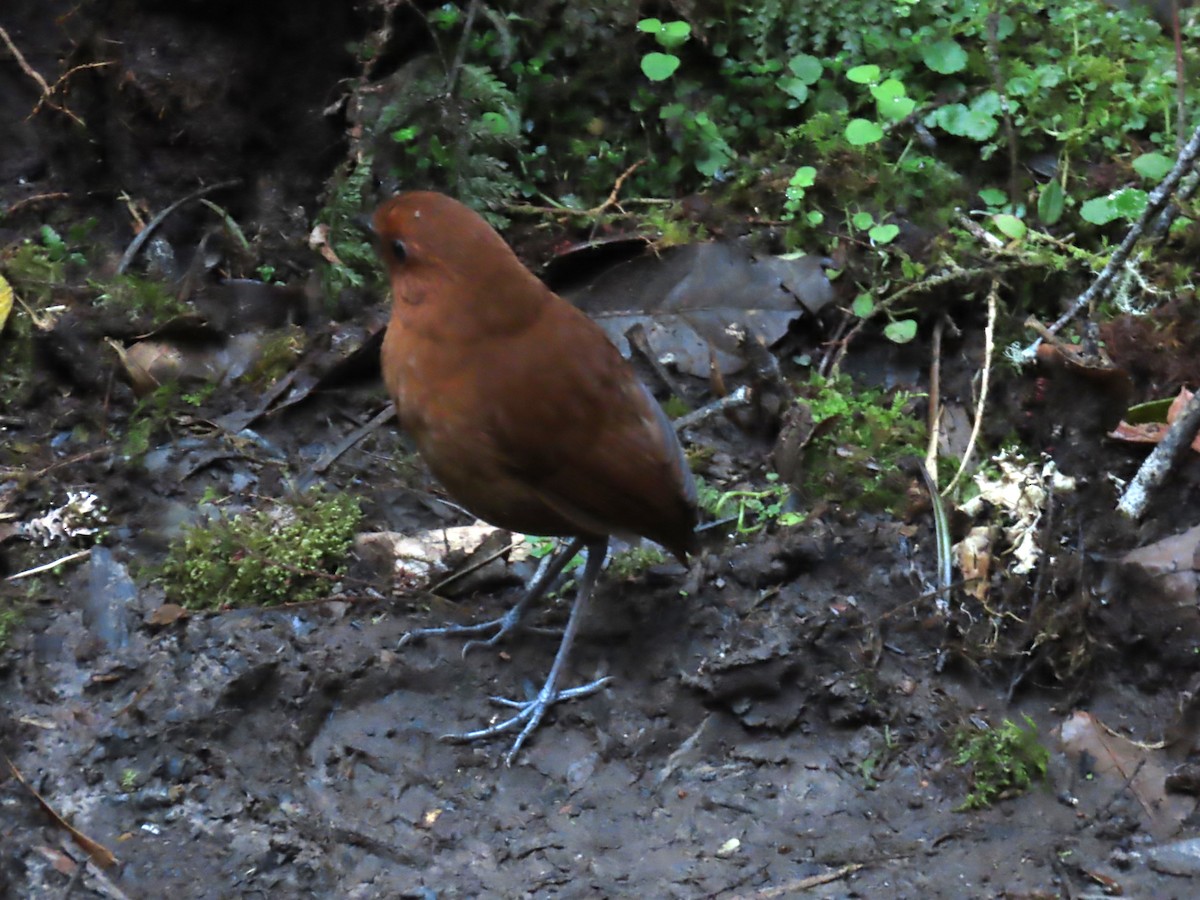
column 786, row 728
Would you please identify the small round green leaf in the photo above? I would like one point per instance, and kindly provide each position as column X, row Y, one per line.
column 897, row 108
column 888, row 90
column 1010, row 226
column 901, row 331
column 884, row 234
column 862, row 220
column 815, row 218
column 1153, row 166
column 807, row 68
column 673, row 34
column 863, row 306
column 650, row 26
column 861, row 132
column 794, row 87
column 1098, row 211
column 659, row 66
column 868, row 74
column 956, row 119
column 806, row 176
column 993, row 196
column 945, row 57
column 1130, row 202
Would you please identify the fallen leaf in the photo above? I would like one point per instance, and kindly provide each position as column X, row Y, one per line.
column 167, row 614
column 1154, row 432
column 700, row 302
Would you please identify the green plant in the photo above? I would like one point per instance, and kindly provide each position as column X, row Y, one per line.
column 631, row 562
column 753, row 508
column 541, row 547
column 138, row 298
column 1003, row 761
column 36, row 268
column 860, row 437
column 898, row 331
column 355, row 261
column 289, row 553
column 670, row 36
column 151, row 415
column 874, row 763
column 10, row 618
column 129, row 779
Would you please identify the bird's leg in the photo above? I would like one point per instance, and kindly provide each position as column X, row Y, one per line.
column 530, row 712
column 511, row 620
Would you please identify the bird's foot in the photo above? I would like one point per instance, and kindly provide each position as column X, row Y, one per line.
column 529, row 712
column 494, row 629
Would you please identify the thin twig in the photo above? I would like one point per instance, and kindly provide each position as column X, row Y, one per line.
column 611, row 200
column 1158, row 464
column 330, row 456
column 739, row 397
column 96, row 851
column 461, row 55
column 25, row 67
column 1187, row 190
column 1155, row 205
column 45, row 100
column 989, row 333
column 569, row 211
column 144, row 235
column 596, row 211
column 36, row 198
column 47, row 91
column 475, row 566
column 36, row 570
column 928, row 284
column 791, row 888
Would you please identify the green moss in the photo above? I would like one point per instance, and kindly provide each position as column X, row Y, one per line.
column 10, row 618
column 151, row 416
column 635, row 560
column 277, row 355
column 142, row 300
column 860, row 437
column 290, row 553
column 1002, row 761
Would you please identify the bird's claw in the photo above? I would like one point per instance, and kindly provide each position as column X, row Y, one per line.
column 503, row 626
column 528, row 711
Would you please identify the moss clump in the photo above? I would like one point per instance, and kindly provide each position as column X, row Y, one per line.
column 634, row 561
column 859, row 439
column 9, row 620
column 287, row 554
column 1003, row 761
column 141, row 300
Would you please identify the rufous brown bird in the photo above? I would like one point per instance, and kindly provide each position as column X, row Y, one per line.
column 524, row 411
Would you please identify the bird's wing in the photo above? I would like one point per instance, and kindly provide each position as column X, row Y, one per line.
column 592, row 441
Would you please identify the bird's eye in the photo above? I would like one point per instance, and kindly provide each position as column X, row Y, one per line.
column 399, row 251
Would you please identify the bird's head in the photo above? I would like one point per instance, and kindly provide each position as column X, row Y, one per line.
column 445, row 261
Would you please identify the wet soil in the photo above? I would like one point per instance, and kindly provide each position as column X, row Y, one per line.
column 784, row 727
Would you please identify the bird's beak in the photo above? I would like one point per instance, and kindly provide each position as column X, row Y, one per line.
column 364, row 224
